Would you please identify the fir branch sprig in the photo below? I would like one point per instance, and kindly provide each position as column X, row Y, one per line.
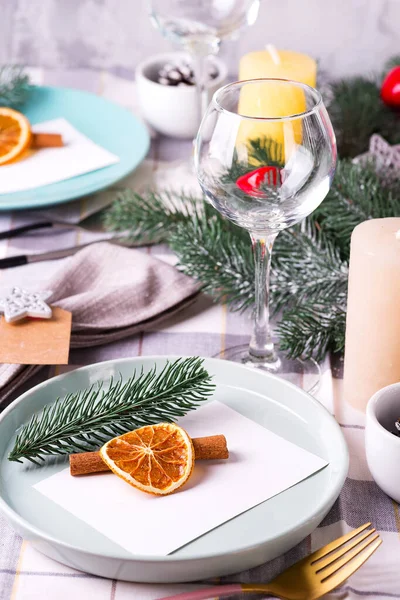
column 313, row 329
column 394, row 61
column 261, row 151
column 153, row 216
column 357, row 111
column 264, row 151
column 83, row 421
column 307, row 267
column 218, row 254
column 14, row 86
column 357, row 194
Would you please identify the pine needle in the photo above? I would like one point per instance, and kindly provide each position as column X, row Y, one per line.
column 393, row 62
column 357, row 194
column 357, row 111
column 14, row 86
column 311, row 330
column 153, row 216
column 83, row 421
column 306, row 267
column 217, row 254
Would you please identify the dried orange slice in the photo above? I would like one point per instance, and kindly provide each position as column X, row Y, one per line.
column 157, row 459
column 15, row 134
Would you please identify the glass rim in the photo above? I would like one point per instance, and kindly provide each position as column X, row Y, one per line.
column 319, row 102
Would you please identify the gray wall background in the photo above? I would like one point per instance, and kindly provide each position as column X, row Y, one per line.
column 347, row 36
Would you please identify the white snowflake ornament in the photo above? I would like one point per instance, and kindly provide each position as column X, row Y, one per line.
column 23, row 303
column 385, row 157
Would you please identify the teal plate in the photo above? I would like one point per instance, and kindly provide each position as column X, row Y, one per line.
column 104, row 122
column 252, row 538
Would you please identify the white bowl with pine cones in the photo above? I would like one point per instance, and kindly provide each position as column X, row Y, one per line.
column 167, row 93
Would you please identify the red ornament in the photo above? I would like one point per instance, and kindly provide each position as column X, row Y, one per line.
column 390, row 91
column 251, row 182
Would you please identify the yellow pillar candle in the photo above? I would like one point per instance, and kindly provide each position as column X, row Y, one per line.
column 372, row 352
column 278, row 101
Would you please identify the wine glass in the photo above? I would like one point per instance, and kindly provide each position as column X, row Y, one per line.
column 265, row 157
column 199, row 26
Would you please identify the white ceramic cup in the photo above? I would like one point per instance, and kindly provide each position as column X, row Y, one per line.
column 382, row 446
column 172, row 110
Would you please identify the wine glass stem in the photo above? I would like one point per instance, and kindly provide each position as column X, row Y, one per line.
column 261, row 344
column 199, row 60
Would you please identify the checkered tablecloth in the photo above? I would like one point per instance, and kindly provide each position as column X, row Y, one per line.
column 204, row 329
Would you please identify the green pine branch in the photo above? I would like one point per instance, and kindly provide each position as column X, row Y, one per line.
column 313, row 329
column 83, row 421
column 393, row 62
column 306, row 267
column 14, row 86
column 357, row 111
column 217, row 254
column 357, row 194
column 262, row 151
column 265, row 151
column 152, row 217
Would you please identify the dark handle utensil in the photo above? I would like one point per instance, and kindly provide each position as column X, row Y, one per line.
column 27, row 259
column 11, row 233
column 13, row 261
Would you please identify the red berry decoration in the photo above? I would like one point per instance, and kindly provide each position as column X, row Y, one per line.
column 390, row 91
column 250, row 183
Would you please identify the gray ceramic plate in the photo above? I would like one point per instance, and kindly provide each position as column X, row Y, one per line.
column 250, row 539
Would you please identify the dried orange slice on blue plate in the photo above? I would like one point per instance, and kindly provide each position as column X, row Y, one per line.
column 15, row 135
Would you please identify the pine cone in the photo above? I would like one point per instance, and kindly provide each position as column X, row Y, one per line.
column 181, row 74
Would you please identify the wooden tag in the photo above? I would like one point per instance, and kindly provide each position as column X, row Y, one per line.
column 36, row 341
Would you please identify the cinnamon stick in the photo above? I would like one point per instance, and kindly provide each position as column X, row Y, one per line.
column 212, row 447
column 205, row 448
column 46, row 140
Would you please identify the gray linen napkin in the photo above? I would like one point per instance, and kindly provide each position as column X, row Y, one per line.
column 113, row 292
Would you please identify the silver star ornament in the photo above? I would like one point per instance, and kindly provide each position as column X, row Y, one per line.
column 23, row 303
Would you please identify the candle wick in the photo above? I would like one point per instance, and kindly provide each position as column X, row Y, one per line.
column 273, row 53
column 398, row 234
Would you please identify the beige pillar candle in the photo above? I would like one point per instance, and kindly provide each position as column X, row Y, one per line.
column 372, row 352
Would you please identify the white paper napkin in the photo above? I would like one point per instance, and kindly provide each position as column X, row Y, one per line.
column 79, row 155
column 216, row 492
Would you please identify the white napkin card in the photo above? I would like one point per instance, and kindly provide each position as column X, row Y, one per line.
column 261, row 465
column 79, row 155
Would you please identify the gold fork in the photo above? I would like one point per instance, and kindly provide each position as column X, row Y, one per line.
column 312, row 577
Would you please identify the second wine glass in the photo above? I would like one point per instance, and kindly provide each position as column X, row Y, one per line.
column 265, row 158
column 199, row 26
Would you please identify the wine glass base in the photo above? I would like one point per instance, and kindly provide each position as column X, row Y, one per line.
column 303, row 373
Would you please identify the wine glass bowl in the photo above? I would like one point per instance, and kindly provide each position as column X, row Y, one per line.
column 202, row 22
column 265, row 157
column 265, row 173
column 199, row 26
